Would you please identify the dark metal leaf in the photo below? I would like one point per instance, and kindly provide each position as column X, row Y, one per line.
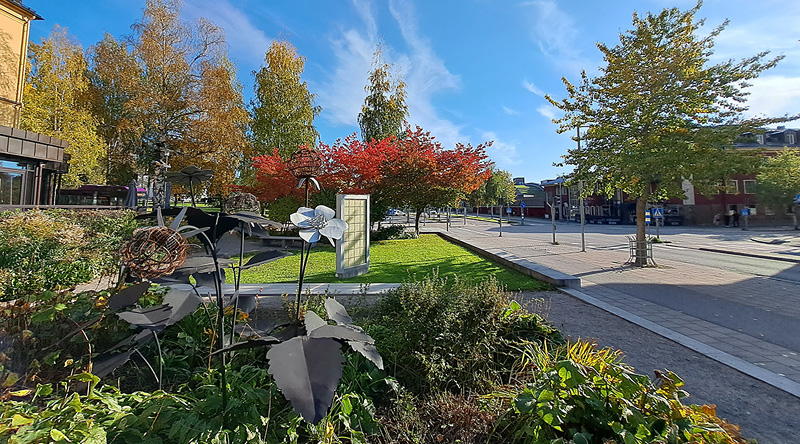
column 182, row 303
column 188, row 231
column 263, row 258
column 368, row 351
column 128, row 296
column 340, row 332
column 149, row 318
column 189, row 175
column 249, row 217
column 337, row 312
column 217, row 226
column 307, row 371
column 313, row 321
column 246, row 302
column 200, row 264
column 205, row 279
column 105, row 365
column 177, row 221
column 139, row 339
column 252, row 343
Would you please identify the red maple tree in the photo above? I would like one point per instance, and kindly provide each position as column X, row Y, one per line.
column 420, row 173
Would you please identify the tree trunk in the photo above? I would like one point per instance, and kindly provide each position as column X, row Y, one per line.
column 641, row 235
column 416, row 220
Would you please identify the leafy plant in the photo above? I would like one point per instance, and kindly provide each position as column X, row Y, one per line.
column 47, row 250
column 451, row 335
column 583, row 394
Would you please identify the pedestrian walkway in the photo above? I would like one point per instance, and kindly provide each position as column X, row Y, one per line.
column 729, row 317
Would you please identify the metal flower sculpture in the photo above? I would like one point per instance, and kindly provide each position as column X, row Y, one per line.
column 305, row 357
column 318, row 222
column 314, row 224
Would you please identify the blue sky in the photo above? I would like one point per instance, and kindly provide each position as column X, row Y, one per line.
column 476, row 70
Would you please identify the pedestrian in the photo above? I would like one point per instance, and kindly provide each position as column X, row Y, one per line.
column 717, row 217
column 735, row 218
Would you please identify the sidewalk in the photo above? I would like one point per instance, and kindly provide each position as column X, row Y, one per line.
column 723, row 315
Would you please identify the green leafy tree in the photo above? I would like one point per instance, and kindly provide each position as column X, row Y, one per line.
column 658, row 112
column 283, row 109
column 113, row 74
column 778, row 182
column 56, row 104
column 177, row 89
column 384, row 108
column 500, row 187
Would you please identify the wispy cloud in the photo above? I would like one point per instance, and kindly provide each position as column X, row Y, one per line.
column 423, row 72
column 425, row 75
column 502, row 153
column 510, row 112
column 774, row 96
column 244, row 39
column 548, row 111
column 555, row 33
column 532, row 88
column 342, row 94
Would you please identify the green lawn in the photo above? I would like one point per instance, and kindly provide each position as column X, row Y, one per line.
column 395, row 261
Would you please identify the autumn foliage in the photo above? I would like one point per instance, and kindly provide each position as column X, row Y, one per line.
column 415, row 171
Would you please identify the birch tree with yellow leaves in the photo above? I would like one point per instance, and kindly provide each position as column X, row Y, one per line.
column 56, row 105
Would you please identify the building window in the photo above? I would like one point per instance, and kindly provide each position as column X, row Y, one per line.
column 760, row 139
column 789, row 138
column 749, row 186
column 733, row 186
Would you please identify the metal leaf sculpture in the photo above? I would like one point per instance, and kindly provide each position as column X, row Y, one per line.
column 305, row 360
column 307, row 368
column 307, row 371
column 189, row 176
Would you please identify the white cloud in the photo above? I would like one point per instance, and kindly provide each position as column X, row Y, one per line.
column 242, row 36
column 547, row 111
column 425, row 75
column 342, row 95
column 532, row 88
column 774, row 96
column 510, row 112
column 503, row 154
column 555, row 32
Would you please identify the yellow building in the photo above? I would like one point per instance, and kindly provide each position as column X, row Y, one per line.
column 31, row 164
column 15, row 20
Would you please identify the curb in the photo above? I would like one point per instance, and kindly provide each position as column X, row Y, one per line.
column 524, row 266
column 739, row 364
column 755, row 255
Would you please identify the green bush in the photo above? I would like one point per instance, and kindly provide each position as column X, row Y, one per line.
column 457, row 335
column 579, row 393
column 388, row 232
column 48, row 250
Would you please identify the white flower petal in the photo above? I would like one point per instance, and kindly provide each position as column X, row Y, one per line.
column 335, row 229
column 310, row 236
column 325, row 211
column 301, row 217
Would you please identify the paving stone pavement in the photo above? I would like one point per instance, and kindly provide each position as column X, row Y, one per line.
column 703, row 308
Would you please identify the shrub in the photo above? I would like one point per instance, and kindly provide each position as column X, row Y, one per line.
column 391, row 232
column 579, row 393
column 48, row 250
column 451, row 335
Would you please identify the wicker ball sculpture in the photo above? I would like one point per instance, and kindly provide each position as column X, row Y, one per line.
column 242, row 202
column 154, row 252
column 304, row 163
